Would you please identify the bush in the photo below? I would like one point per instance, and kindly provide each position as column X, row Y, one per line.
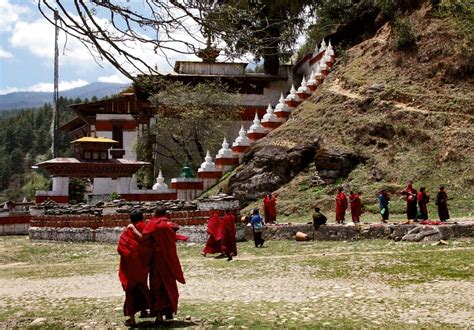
column 403, row 36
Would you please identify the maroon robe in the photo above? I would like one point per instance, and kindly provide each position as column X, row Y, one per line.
column 356, row 207
column 133, row 270
column 229, row 243
column 269, row 209
column 341, row 206
column 165, row 267
column 214, row 229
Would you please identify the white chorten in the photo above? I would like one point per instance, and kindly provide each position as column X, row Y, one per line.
column 303, row 88
column 160, row 184
column 322, row 65
column 208, row 164
column 281, row 106
column 312, row 81
column 225, row 151
column 323, row 46
column 256, row 126
column 269, row 116
column 292, row 96
column 242, row 139
column 330, row 50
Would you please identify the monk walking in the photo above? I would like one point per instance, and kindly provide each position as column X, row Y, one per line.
column 269, row 208
column 410, row 196
column 442, row 203
column 135, row 257
column 356, row 206
column 341, row 205
column 214, row 230
column 229, row 243
column 165, row 269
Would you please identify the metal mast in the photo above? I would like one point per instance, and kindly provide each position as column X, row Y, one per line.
column 55, row 116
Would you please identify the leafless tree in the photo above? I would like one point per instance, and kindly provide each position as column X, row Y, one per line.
column 112, row 30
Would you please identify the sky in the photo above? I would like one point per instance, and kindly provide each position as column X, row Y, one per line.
column 27, row 53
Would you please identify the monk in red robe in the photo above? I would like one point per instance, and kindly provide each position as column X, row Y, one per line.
column 135, row 259
column 356, row 206
column 269, row 208
column 214, row 230
column 229, row 243
column 165, row 269
column 341, row 205
column 411, row 197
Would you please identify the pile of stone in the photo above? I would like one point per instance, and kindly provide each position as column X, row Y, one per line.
column 116, row 206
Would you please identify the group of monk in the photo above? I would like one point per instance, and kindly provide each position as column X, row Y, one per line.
column 416, row 204
column 149, row 267
column 221, row 236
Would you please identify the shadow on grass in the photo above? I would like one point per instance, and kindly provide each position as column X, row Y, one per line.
column 175, row 324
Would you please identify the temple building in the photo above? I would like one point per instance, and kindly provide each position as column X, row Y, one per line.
column 111, row 161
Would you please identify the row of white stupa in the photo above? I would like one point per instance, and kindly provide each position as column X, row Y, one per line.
column 209, row 172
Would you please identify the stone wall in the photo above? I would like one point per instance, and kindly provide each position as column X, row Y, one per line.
column 14, row 224
column 396, row 232
column 197, row 234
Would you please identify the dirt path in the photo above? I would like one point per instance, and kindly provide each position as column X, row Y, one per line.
column 336, row 88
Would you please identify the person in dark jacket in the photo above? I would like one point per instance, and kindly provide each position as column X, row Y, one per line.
column 442, row 203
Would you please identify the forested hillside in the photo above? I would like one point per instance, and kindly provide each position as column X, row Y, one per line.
column 25, row 140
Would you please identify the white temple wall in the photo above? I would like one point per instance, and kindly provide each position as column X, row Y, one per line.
column 270, row 94
column 123, row 185
column 129, row 141
column 104, row 186
column 60, row 186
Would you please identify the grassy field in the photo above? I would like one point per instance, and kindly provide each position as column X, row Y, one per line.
column 374, row 284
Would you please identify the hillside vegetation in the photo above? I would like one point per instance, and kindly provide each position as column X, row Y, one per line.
column 406, row 114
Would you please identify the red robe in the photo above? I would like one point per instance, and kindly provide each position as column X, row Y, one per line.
column 356, row 207
column 269, row 209
column 341, row 206
column 165, row 266
column 133, row 270
column 229, row 243
column 214, row 229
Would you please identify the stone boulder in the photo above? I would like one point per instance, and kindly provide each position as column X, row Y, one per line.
column 423, row 234
column 332, row 164
column 266, row 168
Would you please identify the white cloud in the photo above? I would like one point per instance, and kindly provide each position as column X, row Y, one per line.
column 5, row 55
column 46, row 87
column 115, row 78
column 10, row 14
column 38, row 38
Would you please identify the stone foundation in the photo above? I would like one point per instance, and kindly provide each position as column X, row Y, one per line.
column 396, row 232
column 197, row 234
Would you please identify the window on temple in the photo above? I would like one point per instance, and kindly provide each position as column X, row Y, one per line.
column 117, row 135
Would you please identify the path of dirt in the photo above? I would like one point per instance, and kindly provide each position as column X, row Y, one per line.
column 296, row 286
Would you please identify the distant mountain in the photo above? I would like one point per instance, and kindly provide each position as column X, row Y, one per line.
column 20, row 100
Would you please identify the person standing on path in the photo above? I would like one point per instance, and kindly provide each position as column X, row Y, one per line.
column 423, row 199
column 341, row 205
column 269, row 209
column 135, row 258
column 384, row 199
column 442, row 203
column 356, row 206
column 256, row 222
column 229, row 242
column 410, row 196
column 165, row 269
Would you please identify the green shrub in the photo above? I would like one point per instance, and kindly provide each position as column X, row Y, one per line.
column 403, row 36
